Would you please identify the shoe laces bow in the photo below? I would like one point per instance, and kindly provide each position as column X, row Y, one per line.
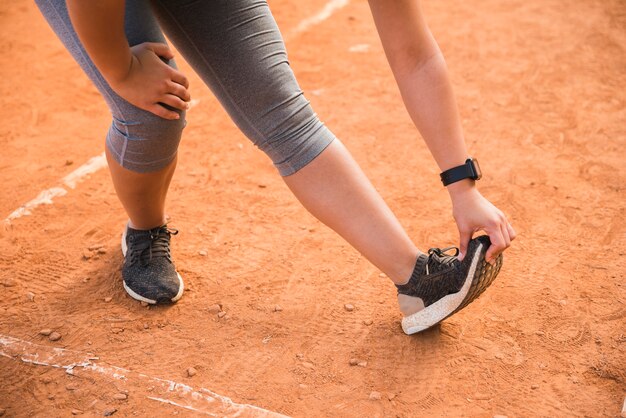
column 438, row 257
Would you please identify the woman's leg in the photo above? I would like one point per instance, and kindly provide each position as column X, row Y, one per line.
column 235, row 46
column 336, row 191
column 141, row 147
column 141, row 151
column 142, row 194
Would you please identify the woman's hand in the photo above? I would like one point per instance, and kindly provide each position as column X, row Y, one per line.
column 151, row 84
column 473, row 213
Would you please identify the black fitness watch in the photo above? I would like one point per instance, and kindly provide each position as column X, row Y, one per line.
column 470, row 170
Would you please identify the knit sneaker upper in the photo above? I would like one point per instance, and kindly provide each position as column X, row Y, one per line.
column 148, row 270
column 435, row 275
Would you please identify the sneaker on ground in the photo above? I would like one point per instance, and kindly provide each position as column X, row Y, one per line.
column 149, row 273
column 441, row 285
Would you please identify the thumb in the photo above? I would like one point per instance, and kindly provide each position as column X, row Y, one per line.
column 162, row 50
column 465, row 237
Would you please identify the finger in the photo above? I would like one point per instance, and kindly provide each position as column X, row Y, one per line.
column 180, row 78
column 162, row 50
column 465, row 237
column 163, row 112
column 505, row 235
column 178, row 90
column 174, row 101
column 498, row 244
column 512, row 233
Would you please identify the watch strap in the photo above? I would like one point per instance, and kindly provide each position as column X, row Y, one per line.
column 467, row 170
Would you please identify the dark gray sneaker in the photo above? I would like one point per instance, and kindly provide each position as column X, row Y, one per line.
column 149, row 273
column 441, row 285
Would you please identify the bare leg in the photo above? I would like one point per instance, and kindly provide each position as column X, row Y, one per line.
column 142, row 194
column 336, row 191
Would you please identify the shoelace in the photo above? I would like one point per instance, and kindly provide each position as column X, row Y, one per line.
column 157, row 245
column 438, row 256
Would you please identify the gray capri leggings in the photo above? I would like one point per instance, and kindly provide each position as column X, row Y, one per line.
column 237, row 49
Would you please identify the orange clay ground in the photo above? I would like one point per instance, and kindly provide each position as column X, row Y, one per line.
column 541, row 89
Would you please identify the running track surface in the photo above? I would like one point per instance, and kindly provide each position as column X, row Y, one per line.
column 540, row 89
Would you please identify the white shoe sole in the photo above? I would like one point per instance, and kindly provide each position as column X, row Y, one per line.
column 444, row 307
column 181, row 287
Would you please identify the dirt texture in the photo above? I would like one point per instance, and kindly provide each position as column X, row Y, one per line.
column 540, row 85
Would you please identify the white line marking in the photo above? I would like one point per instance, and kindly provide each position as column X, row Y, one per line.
column 202, row 400
column 94, row 164
column 331, row 7
column 44, row 198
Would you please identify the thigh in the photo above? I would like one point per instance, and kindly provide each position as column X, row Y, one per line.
column 140, row 26
column 237, row 49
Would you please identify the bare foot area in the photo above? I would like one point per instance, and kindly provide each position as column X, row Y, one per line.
column 263, row 320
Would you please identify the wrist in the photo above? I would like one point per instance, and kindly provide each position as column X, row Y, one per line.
column 117, row 70
column 462, row 189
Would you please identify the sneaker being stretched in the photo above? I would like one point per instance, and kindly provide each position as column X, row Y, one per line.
column 441, row 285
column 149, row 273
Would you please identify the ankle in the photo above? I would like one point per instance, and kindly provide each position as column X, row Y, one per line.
column 404, row 272
column 145, row 226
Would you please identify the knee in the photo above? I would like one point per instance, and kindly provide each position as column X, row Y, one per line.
column 145, row 143
column 294, row 136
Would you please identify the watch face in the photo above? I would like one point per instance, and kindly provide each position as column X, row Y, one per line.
column 477, row 172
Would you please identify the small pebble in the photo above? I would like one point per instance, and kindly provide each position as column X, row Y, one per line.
column 348, row 307
column 278, row 308
column 375, row 396
column 382, row 275
column 362, row 364
column 55, row 336
column 102, row 250
column 76, row 412
column 109, row 411
column 221, row 314
column 534, row 386
column 117, row 330
column 248, row 287
column 500, row 416
column 203, row 253
column 46, row 332
column 120, row 396
column 146, row 326
column 391, row 396
column 368, row 322
column 144, row 303
column 9, row 282
column 308, row 365
column 214, row 309
column 46, row 379
column 303, row 386
column 299, row 356
column 51, row 396
column 191, row 372
column 354, row 362
column 30, row 296
column 623, row 414
column 71, row 386
column 108, row 299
